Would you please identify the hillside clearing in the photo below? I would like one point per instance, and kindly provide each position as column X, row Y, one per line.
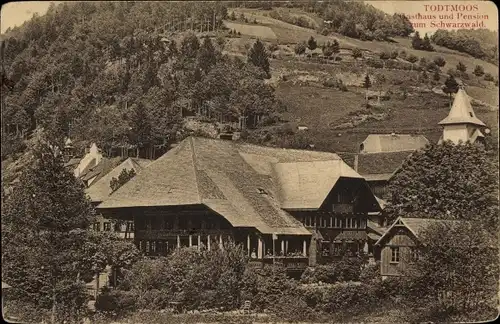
column 290, row 34
column 262, row 32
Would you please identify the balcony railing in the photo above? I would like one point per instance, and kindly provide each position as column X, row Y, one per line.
column 167, row 234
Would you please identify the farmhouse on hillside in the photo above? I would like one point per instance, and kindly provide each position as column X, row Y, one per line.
column 462, row 124
column 296, row 207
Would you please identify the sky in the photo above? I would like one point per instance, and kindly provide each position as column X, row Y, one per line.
column 15, row 13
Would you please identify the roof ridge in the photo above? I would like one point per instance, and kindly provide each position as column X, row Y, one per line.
column 195, row 170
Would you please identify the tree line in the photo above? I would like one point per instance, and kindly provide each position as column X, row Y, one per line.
column 480, row 43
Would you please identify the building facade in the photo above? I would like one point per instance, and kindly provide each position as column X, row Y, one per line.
column 399, row 245
column 287, row 206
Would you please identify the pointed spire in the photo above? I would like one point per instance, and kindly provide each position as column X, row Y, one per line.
column 461, row 111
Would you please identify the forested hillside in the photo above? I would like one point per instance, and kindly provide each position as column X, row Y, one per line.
column 127, row 74
column 480, row 43
column 116, row 73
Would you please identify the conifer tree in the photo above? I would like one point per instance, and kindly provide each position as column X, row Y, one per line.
column 206, row 55
column 258, row 56
column 478, row 70
column 48, row 249
column 367, row 83
column 416, row 41
column 461, row 67
column 335, row 49
column 450, row 86
column 311, row 44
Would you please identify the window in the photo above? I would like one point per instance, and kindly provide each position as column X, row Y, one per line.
column 325, row 251
column 107, row 226
column 306, row 221
column 141, row 245
column 130, row 225
column 147, row 246
column 97, row 226
column 331, row 221
column 153, row 246
column 325, row 222
column 394, row 254
column 414, row 254
column 362, row 223
column 337, row 249
column 338, row 222
column 117, row 227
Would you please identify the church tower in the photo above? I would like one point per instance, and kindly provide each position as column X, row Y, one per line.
column 461, row 124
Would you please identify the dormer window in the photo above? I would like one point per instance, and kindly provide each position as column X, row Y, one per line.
column 262, row 191
column 471, row 114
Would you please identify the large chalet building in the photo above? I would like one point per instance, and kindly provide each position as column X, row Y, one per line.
column 301, row 207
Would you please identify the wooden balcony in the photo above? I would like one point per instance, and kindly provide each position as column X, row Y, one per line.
column 169, row 234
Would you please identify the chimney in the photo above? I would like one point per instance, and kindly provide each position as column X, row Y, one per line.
column 356, row 162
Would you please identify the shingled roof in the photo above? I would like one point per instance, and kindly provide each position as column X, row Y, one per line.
column 104, row 166
column 416, row 225
column 461, row 111
column 377, row 166
column 383, row 143
column 101, row 189
column 239, row 181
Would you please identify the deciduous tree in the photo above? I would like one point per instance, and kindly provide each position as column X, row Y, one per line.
column 311, row 44
column 447, row 181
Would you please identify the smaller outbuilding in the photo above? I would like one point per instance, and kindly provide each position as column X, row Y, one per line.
column 398, row 246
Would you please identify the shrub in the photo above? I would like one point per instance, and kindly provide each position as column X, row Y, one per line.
column 115, row 301
column 347, row 269
column 479, row 70
column 330, row 83
column 461, row 67
column 370, row 273
column 300, row 49
column 489, row 77
column 264, row 287
column 347, row 297
column 273, row 47
column 375, row 63
column 291, row 307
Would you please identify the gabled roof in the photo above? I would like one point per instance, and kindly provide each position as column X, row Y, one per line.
column 377, row 166
column 416, row 225
column 461, row 111
column 383, row 143
column 98, row 171
column 101, row 189
column 72, row 162
column 238, row 181
column 304, row 185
